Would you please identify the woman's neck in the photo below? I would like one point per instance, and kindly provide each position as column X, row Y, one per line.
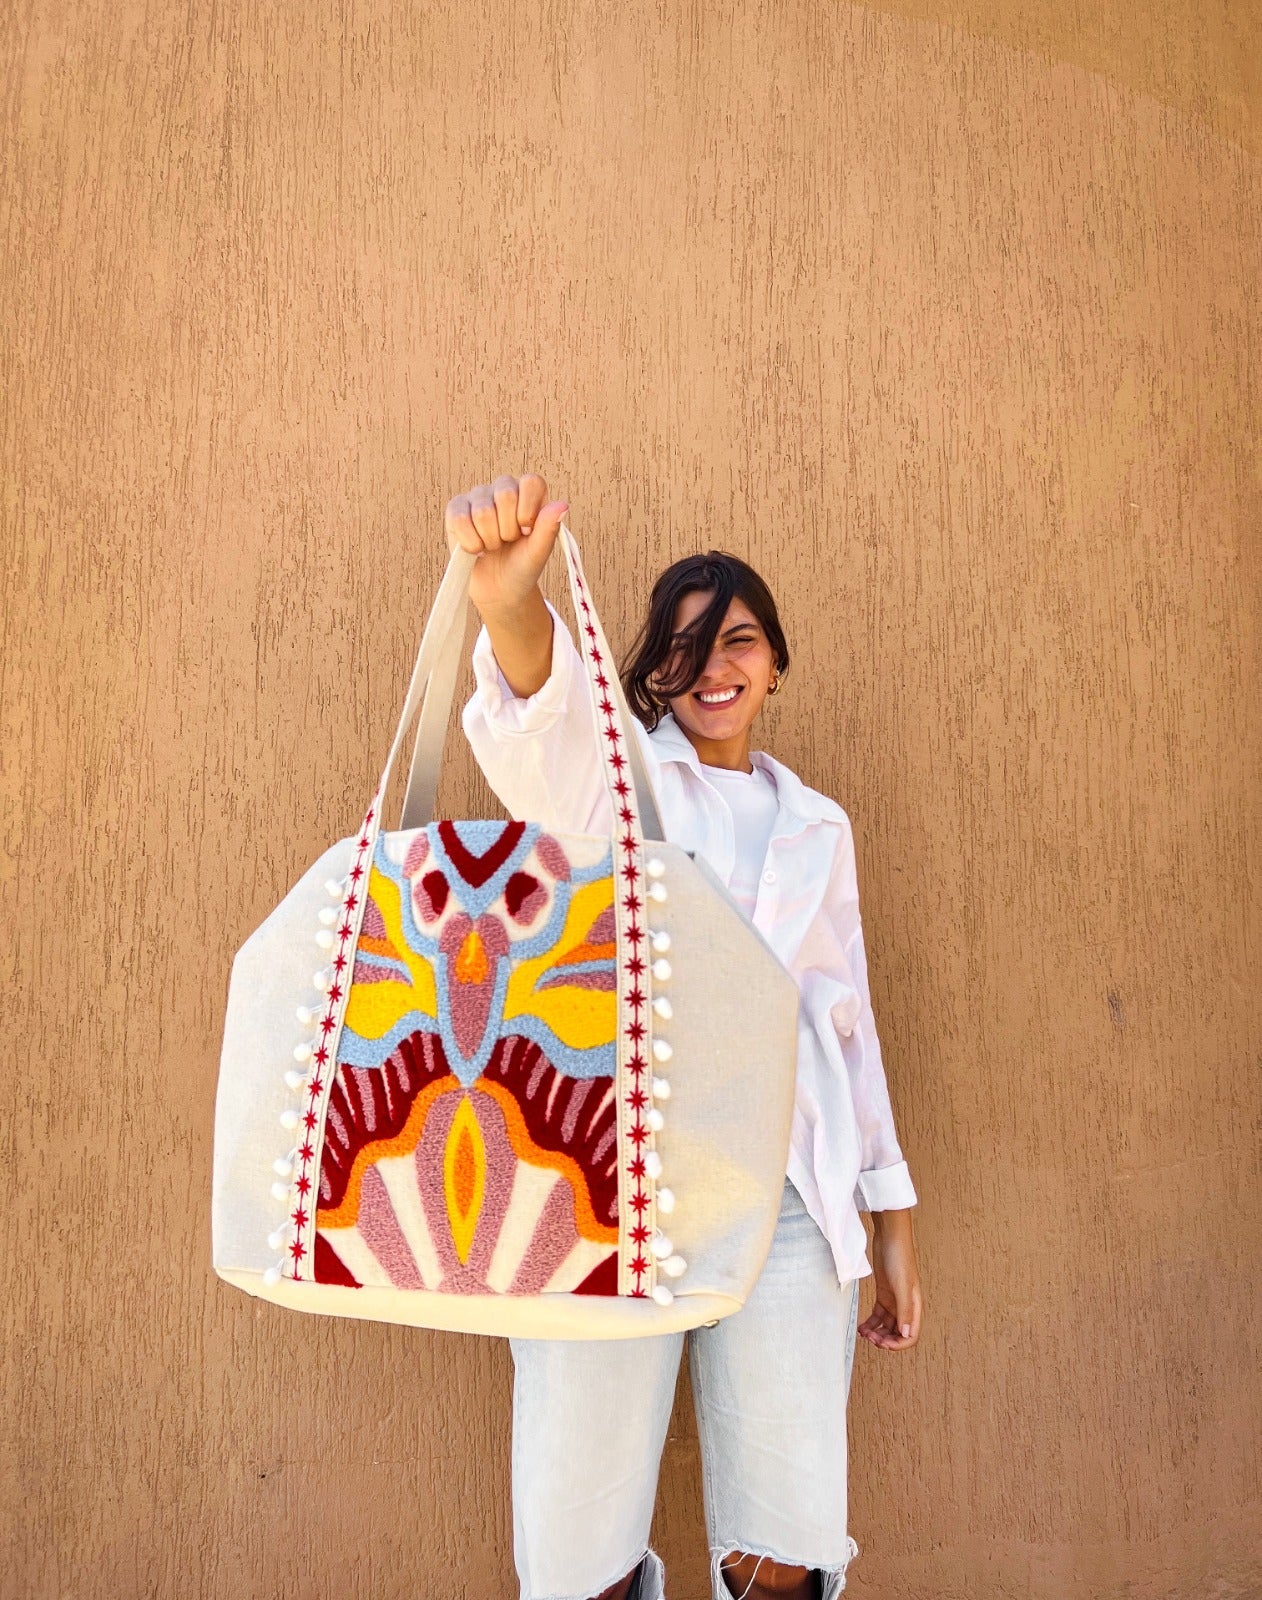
column 731, row 753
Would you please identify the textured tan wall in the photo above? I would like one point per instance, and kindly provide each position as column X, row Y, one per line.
column 945, row 315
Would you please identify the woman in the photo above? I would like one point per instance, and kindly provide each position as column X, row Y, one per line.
column 772, row 1380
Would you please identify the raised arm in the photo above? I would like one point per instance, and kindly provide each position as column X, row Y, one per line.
column 508, row 526
column 530, row 723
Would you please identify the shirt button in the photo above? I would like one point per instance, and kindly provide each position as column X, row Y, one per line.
column 769, row 876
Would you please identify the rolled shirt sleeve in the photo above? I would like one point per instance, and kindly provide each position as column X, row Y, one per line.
column 884, row 1182
column 885, row 1189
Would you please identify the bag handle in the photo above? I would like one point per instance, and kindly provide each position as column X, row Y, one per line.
column 432, row 688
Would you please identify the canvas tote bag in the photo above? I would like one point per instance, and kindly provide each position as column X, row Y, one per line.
column 486, row 1077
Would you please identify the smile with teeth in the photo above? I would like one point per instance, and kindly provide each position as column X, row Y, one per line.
column 718, row 697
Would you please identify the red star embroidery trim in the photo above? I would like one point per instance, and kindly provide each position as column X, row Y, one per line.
column 633, row 997
column 305, row 1178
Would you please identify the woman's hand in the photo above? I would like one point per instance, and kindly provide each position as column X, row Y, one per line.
column 509, row 528
column 899, row 1304
column 502, row 523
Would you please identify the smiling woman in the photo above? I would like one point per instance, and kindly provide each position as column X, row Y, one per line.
column 719, row 708
column 770, row 1382
column 715, row 694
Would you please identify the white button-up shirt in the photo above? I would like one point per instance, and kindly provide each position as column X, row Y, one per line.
column 541, row 756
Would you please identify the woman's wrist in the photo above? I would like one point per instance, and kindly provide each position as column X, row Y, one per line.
column 521, row 615
column 521, row 639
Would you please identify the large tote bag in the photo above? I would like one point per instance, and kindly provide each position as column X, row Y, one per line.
column 486, row 1077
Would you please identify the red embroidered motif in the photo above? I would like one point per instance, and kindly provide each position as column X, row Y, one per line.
column 478, row 870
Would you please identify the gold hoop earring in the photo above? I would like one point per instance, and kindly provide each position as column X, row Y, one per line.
column 775, row 687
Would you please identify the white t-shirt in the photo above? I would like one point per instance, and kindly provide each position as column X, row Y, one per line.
column 751, row 798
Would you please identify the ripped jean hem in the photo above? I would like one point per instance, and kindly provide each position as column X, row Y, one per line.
column 652, row 1583
column 833, row 1575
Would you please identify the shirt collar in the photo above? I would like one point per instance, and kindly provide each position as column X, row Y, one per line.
column 671, row 743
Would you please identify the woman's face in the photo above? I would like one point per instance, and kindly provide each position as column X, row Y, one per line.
column 728, row 695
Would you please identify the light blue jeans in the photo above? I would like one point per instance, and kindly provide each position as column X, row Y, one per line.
column 770, row 1385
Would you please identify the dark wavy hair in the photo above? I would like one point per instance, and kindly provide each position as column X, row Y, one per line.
column 729, row 578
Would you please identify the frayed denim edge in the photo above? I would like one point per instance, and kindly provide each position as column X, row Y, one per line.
column 834, row 1576
column 652, row 1584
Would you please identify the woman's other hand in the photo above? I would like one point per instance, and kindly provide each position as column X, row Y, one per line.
column 899, row 1303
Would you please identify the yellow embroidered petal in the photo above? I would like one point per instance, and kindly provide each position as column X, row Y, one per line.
column 372, row 1009
column 464, row 1177
column 579, row 1017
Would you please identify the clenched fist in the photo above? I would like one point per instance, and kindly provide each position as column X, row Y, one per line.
column 511, row 530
